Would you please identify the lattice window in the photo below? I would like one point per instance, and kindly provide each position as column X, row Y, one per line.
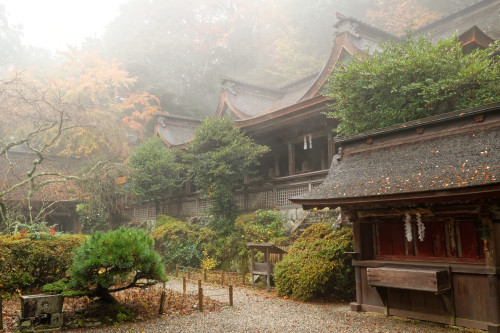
column 202, row 205
column 188, row 208
column 141, row 213
column 282, row 195
column 313, row 186
column 172, row 209
column 151, row 212
column 240, row 200
column 258, row 200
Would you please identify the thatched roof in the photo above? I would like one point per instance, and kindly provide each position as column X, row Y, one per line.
column 459, row 150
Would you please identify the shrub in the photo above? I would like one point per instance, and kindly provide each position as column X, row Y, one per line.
column 411, row 79
column 260, row 226
column 317, row 265
column 119, row 259
column 27, row 264
column 182, row 244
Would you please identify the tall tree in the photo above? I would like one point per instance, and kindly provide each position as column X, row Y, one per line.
column 154, row 171
column 218, row 160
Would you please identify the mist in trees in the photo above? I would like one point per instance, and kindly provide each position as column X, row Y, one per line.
column 98, row 99
column 177, row 50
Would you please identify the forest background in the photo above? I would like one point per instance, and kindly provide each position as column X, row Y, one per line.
column 170, row 55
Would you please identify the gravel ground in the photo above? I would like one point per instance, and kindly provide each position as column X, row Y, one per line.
column 256, row 311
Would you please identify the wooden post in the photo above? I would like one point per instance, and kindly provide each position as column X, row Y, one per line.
column 251, row 265
column 162, row 302
column 205, row 275
column 331, row 147
column 1, row 314
column 176, row 270
column 222, row 278
column 291, row 159
column 184, row 285
column 189, row 273
column 164, row 284
column 199, row 283
column 200, row 299
column 243, row 276
column 230, row 295
column 268, row 269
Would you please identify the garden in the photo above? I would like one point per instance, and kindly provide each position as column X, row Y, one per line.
column 116, row 276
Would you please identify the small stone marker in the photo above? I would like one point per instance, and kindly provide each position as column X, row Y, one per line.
column 38, row 310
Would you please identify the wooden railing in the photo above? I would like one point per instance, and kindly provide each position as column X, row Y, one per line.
column 258, row 194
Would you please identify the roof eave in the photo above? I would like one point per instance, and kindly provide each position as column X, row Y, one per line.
column 478, row 192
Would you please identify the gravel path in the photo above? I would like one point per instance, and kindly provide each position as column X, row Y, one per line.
column 255, row 311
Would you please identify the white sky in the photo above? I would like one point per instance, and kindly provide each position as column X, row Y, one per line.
column 54, row 24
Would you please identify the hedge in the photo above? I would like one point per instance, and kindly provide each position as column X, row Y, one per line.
column 26, row 264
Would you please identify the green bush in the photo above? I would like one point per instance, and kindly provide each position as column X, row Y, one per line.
column 411, row 79
column 181, row 243
column 27, row 264
column 260, row 226
column 110, row 262
column 317, row 265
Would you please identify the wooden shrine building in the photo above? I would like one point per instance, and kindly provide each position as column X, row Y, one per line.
column 290, row 119
column 424, row 200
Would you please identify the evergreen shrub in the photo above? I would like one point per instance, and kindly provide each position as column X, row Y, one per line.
column 180, row 243
column 110, row 262
column 317, row 265
column 27, row 263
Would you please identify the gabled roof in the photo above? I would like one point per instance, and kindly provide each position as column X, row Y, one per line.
column 244, row 100
column 458, row 151
column 473, row 39
column 176, row 131
column 250, row 104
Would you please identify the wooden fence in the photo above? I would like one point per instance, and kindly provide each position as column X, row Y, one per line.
column 219, row 277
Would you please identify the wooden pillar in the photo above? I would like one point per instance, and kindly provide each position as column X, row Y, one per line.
column 291, row 159
column 331, row 148
column 276, row 166
column 356, row 228
column 491, row 261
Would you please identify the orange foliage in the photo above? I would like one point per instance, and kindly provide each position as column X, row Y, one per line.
column 396, row 16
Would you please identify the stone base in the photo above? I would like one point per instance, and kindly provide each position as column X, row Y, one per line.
column 355, row 306
column 32, row 324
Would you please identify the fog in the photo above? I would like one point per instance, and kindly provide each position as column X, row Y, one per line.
column 178, row 49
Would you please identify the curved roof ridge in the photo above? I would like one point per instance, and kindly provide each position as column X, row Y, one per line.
column 295, row 82
column 224, row 78
column 224, row 100
column 461, row 12
column 342, row 42
column 367, row 27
